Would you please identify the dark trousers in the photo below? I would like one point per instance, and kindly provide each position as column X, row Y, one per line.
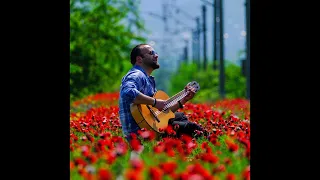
column 185, row 126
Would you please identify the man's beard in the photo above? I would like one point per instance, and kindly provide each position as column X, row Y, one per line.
column 153, row 65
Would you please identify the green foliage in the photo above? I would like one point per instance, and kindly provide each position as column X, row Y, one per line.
column 100, row 41
column 235, row 82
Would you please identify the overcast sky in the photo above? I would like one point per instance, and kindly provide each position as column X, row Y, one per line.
column 234, row 25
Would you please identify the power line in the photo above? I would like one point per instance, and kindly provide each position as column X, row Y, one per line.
column 163, row 18
column 195, row 31
column 178, row 10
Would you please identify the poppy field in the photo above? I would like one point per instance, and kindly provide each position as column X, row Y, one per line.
column 98, row 149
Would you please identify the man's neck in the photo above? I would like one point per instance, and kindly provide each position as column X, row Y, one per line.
column 148, row 70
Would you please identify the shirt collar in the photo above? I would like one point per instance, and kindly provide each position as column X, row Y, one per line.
column 141, row 69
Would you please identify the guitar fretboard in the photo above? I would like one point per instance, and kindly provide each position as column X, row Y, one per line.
column 174, row 99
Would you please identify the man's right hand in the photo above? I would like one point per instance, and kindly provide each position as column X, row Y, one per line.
column 160, row 104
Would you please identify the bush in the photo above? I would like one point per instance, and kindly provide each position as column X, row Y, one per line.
column 235, row 82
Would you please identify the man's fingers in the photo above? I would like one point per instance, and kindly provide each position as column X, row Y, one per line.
column 192, row 90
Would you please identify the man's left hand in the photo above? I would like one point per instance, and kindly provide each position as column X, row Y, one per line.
column 190, row 94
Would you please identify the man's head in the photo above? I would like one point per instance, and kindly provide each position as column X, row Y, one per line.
column 144, row 55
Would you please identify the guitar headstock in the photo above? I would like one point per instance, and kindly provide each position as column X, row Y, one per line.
column 194, row 85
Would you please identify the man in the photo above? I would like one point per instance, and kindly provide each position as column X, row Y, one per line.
column 138, row 86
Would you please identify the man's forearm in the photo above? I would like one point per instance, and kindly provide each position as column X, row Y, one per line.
column 143, row 99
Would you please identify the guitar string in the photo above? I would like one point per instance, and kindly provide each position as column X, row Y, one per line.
column 181, row 92
column 175, row 96
column 172, row 101
column 167, row 106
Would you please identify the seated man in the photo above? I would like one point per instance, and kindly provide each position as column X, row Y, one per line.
column 138, row 86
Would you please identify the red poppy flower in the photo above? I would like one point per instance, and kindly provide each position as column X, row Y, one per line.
column 155, row 173
column 231, row 176
column 104, row 174
column 168, row 167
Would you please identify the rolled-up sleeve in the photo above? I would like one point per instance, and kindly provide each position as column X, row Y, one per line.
column 130, row 87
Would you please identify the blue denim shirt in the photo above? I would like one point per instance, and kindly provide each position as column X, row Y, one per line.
column 134, row 82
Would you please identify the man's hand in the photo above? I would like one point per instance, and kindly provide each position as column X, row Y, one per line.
column 190, row 94
column 160, row 104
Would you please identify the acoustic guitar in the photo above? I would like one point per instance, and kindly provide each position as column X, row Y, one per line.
column 151, row 118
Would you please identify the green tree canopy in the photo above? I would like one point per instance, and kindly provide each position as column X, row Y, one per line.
column 101, row 37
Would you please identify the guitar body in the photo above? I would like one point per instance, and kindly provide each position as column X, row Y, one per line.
column 145, row 119
column 151, row 118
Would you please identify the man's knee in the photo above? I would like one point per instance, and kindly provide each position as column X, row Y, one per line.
column 181, row 124
column 193, row 126
column 180, row 116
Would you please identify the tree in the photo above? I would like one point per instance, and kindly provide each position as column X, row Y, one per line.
column 101, row 37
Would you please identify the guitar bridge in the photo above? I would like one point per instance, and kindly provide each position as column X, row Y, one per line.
column 153, row 113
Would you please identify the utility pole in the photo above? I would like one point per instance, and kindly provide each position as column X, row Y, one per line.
column 214, row 43
column 186, row 52
column 221, row 62
column 168, row 41
column 193, row 31
column 165, row 55
column 198, row 42
column 215, row 27
column 166, row 28
column 204, row 37
column 193, row 46
column 218, row 42
column 247, row 4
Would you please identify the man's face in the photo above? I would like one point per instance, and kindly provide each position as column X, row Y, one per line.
column 149, row 57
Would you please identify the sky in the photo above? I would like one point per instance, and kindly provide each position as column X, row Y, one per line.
column 234, row 26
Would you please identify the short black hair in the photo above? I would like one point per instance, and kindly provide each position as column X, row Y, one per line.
column 136, row 51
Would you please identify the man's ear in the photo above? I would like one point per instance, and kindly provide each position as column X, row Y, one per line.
column 139, row 59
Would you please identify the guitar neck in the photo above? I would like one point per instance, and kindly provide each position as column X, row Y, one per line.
column 174, row 99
